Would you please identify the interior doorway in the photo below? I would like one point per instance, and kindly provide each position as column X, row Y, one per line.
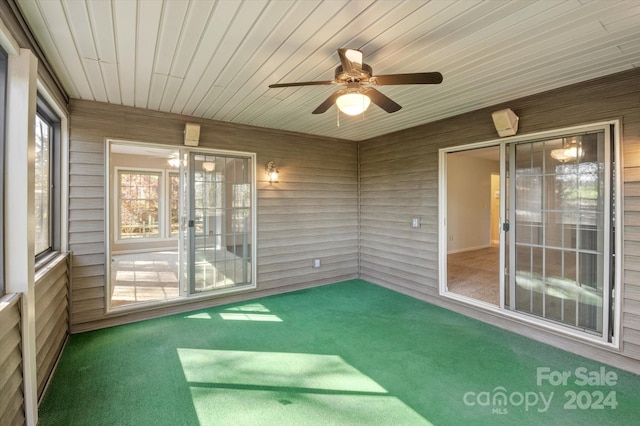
column 144, row 218
column 473, row 219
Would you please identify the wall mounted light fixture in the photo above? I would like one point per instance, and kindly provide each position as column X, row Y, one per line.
column 271, row 170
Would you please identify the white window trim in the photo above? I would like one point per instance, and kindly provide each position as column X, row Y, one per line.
column 615, row 245
column 162, row 205
column 19, row 183
column 63, row 192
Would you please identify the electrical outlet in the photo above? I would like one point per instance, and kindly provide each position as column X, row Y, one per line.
column 415, row 222
column 316, row 263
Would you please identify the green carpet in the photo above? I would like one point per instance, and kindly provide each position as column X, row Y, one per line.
column 343, row 354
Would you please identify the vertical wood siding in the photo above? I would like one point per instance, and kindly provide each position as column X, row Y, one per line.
column 52, row 319
column 311, row 213
column 399, row 180
column 11, row 399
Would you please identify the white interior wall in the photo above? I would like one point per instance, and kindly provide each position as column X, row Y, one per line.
column 469, row 201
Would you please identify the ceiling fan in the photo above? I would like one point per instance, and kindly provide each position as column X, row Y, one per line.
column 357, row 77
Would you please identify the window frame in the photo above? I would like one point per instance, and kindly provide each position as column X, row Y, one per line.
column 47, row 114
column 4, row 65
column 118, row 197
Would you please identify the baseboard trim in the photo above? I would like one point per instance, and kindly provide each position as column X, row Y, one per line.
column 468, row 249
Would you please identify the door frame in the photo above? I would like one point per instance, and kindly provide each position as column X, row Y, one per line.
column 184, row 296
column 612, row 126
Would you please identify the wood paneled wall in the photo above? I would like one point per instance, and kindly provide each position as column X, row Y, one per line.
column 312, row 212
column 399, row 180
column 11, row 397
column 52, row 317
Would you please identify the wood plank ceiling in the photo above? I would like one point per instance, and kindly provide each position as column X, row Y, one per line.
column 215, row 59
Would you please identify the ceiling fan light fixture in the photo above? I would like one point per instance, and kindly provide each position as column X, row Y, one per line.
column 570, row 151
column 567, row 154
column 353, row 103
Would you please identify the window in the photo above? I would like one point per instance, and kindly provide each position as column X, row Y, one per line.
column 47, row 178
column 42, row 184
column 148, row 204
column 139, row 204
column 3, row 107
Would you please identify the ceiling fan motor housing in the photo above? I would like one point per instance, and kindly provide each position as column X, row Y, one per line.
column 358, row 75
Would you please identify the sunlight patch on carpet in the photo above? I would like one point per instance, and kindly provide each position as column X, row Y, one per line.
column 200, row 315
column 251, row 307
column 264, row 387
column 232, row 316
column 326, row 372
column 269, row 407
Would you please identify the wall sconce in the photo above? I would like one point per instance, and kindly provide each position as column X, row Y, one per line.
column 272, row 171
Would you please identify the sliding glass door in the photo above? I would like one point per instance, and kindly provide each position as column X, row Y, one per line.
column 557, row 230
column 220, row 236
column 180, row 223
column 560, row 235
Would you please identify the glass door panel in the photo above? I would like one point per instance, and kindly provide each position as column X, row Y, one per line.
column 219, row 226
column 558, row 239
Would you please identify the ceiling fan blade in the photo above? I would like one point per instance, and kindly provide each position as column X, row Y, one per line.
column 302, row 83
column 413, row 78
column 331, row 100
column 351, row 60
column 382, row 100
